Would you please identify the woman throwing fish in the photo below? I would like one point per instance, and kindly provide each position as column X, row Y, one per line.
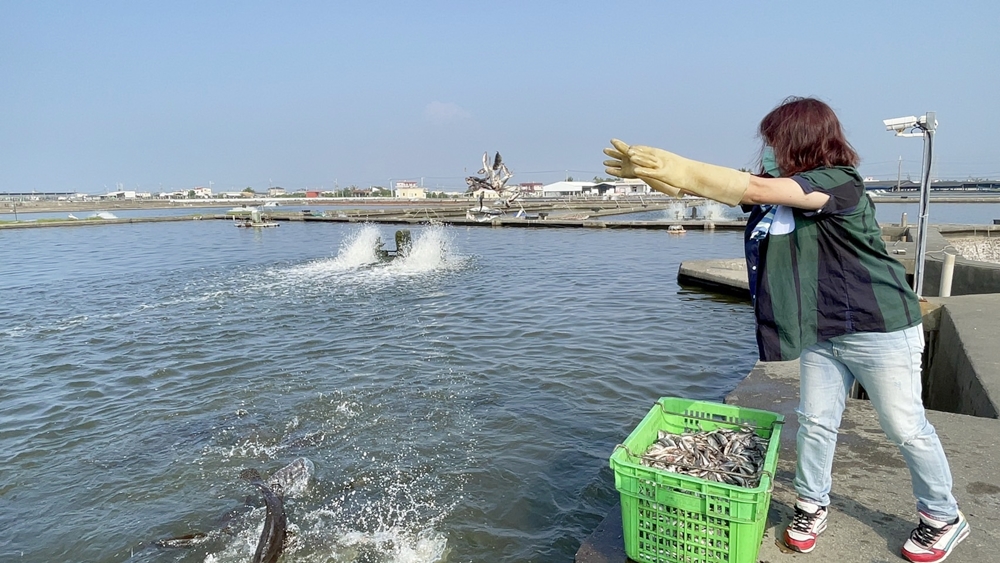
column 825, row 291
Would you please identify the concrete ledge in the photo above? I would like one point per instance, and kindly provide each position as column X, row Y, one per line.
column 873, row 509
column 962, row 357
column 729, row 276
column 873, row 506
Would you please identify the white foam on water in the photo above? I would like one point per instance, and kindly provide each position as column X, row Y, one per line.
column 57, row 325
column 714, row 211
column 357, row 250
column 707, row 211
column 432, row 251
column 322, row 538
column 396, row 545
column 676, row 211
column 246, row 535
column 247, row 448
column 401, row 529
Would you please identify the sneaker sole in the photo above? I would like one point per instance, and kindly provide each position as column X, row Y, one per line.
column 961, row 536
column 800, row 550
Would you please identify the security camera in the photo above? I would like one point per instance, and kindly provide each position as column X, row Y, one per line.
column 900, row 124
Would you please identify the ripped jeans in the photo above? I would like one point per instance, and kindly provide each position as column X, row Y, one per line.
column 887, row 365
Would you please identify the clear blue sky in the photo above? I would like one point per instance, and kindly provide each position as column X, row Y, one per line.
column 171, row 95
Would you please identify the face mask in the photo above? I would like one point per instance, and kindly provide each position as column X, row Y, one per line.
column 768, row 163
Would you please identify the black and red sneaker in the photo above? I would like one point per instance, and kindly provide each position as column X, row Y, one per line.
column 809, row 521
column 933, row 540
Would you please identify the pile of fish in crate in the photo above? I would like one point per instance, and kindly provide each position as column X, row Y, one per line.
column 733, row 457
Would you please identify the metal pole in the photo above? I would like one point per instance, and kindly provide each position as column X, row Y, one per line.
column 925, row 196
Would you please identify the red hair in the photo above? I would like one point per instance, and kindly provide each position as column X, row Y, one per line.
column 806, row 134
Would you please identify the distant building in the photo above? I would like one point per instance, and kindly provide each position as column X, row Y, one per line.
column 409, row 190
column 202, row 192
column 566, row 189
column 531, row 189
column 591, row 189
column 123, row 194
column 630, row 186
column 312, row 193
column 37, row 196
column 272, row 192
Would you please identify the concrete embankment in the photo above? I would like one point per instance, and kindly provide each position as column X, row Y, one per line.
column 873, row 507
column 724, row 276
column 552, row 222
column 92, row 222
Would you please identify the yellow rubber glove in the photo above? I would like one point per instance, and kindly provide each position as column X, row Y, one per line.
column 725, row 185
column 622, row 167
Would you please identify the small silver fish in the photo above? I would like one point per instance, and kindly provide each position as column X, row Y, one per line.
column 734, row 457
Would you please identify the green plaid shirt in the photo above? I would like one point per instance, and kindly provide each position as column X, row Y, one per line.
column 826, row 273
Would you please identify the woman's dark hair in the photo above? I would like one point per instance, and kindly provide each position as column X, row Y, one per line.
column 805, row 134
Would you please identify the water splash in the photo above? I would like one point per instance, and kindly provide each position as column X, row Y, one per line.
column 432, row 251
column 398, row 546
column 327, row 539
column 675, row 212
column 356, row 250
column 714, row 211
column 706, row 211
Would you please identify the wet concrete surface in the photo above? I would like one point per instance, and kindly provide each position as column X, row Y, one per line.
column 872, row 506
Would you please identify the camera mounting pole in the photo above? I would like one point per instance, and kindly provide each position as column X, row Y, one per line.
column 929, row 127
column 925, row 126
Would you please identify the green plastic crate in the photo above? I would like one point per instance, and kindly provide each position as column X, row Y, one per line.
column 673, row 518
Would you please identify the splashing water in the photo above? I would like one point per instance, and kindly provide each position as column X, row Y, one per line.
column 707, row 211
column 714, row 211
column 431, row 251
column 358, row 249
column 676, row 211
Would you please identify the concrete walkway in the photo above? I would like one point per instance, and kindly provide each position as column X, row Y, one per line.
column 872, row 505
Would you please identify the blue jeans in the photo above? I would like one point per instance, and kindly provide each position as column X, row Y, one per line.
column 887, row 365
